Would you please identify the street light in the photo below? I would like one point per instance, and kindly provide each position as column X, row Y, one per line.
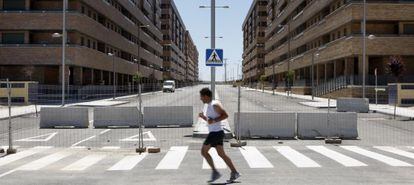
column 153, row 75
column 364, row 49
column 113, row 74
column 313, row 73
column 289, row 56
column 138, row 61
column 213, row 41
column 63, row 35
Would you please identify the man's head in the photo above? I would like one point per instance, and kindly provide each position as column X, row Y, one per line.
column 206, row 95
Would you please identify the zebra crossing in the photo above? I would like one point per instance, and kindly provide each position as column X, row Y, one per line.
column 254, row 157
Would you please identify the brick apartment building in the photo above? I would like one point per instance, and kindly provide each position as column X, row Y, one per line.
column 130, row 29
column 253, row 41
column 174, row 43
column 328, row 32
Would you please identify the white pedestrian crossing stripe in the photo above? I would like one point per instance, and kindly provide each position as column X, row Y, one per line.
column 173, row 158
column 336, row 156
column 45, row 161
column 218, row 161
column 84, row 163
column 296, row 158
column 128, row 162
column 379, row 157
column 254, row 158
column 395, row 151
column 11, row 158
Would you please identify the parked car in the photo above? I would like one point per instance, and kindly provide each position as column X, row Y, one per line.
column 168, row 86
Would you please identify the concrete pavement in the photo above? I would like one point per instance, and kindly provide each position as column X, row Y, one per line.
column 106, row 156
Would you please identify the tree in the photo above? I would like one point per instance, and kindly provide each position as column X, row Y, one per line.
column 395, row 67
column 263, row 78
column 137, row 78
column 289, row 78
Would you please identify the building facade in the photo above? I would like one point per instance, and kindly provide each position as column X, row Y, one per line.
column 128, row 29
column 95, row 28
column 253, row 42
column 174, row 30
column 191, row 61
column 326, row 35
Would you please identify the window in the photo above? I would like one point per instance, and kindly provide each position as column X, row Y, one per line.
column 13, row 38
column 409, row 29
column 14, row 5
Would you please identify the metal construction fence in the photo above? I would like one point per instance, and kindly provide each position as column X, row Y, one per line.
column 93, row 119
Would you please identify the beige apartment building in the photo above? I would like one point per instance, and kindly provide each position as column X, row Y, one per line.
column 327, row 34
column 28, row 50
column 254, row 27
column 128, row 29
column 174, row 42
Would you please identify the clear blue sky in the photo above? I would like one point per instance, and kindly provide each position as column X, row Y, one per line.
column 228, row 25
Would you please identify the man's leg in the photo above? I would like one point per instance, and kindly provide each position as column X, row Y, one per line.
column 207, row 156
column 227, row 160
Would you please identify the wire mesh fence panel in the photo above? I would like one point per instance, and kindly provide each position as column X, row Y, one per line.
column 170, row 116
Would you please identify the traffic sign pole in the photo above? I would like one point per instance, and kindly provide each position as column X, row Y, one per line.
column 213, row 46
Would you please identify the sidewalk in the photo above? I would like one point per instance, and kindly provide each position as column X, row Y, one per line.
column 323, row 103
column 17, row 111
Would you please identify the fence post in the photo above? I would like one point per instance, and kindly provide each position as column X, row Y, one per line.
column 10, row 150
column 238, row 143
column 141, row 148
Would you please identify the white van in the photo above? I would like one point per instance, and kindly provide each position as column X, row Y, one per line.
column 168, row 86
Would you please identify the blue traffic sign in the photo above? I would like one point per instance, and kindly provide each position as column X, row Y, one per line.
column 214, row 57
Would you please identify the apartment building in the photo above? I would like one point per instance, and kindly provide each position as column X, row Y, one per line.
column 254, row 27
column 128, row 29
column 174, row 30
column 191, row 61
column 326, row 35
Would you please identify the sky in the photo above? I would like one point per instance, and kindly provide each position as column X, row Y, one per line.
column 228, row 25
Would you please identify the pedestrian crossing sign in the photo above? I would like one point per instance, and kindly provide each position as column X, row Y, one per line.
column 214, row 57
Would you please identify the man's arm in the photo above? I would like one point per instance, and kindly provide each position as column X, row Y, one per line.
column 223, row 114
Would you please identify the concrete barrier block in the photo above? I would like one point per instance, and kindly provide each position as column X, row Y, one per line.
column 168, row 116
column 359, row 105
column 266, row 125
column 51, row 117
column 116, row 116
column 316, row 125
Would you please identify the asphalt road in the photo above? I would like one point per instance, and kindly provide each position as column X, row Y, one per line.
column 106, row 156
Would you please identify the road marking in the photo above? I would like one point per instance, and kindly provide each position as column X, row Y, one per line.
column 89, row 138
column 136, row 137
column 296, row 158
column 84, row 163
column 395, row 151
column 336, row 156
column 173, row 158
column 12, row 158
column 110, row 148
column 7, row 147
column 83, row 140
column 254, row 158
column 40, row 138
column 128, row 162
column 379, row 157
column 45, row 161
column 78, row 147
column 218, row 161
column 217, row 95
column 105, row 131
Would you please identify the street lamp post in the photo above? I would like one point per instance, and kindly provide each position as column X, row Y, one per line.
column 313, row 74
column 364, row 52
column 153, row 75
column 225, row 71
column 213, row 41
column 113, row 74
column 64, row 37
column 273, row 79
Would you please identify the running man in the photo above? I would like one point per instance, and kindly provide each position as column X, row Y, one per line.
column 215, row 114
